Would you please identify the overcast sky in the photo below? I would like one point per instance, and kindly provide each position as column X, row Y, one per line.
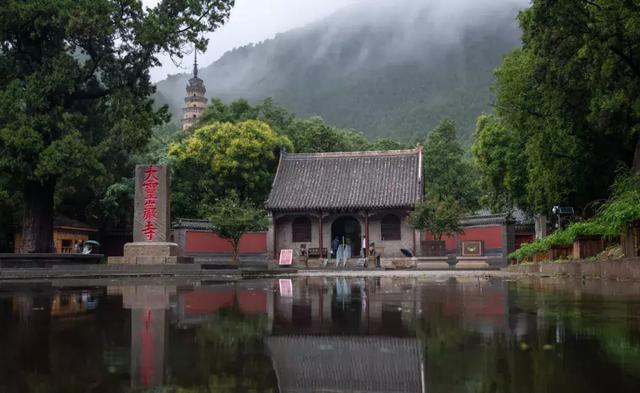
column 254, row 21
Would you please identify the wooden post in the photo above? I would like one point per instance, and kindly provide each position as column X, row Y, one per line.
column 275, row 237
column 366, row 233
column 320, row 236
column 414, row 242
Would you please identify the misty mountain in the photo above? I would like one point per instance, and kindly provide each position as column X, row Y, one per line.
column 384, row 69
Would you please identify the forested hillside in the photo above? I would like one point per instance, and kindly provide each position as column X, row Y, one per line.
column 387, row 70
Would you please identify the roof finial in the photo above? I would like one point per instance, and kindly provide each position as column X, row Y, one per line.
column 195, row 62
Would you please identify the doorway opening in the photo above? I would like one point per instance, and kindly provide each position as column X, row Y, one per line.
column 348, row 227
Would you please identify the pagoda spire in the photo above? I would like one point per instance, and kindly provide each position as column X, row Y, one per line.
column 195, row 63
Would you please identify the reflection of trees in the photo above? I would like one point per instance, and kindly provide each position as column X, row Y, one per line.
column 602, row 318
column 226, row 355
column 40, row 353
column 453, row 360
column 555, row 342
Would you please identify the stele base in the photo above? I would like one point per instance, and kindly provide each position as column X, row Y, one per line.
column 472, row 262
column 432, row 263
column 150, row 253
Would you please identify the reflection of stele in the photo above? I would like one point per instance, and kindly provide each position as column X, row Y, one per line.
column 148, row 304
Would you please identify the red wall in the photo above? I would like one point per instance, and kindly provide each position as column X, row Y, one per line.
column 524, row 238
column 207, row 302
column 491, row 235
column 254, row 242
column 253, row 302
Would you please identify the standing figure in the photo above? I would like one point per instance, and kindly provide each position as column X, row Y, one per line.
column 334, row 248
column 347, row 252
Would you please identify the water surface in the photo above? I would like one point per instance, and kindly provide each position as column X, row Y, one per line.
column 317, row 334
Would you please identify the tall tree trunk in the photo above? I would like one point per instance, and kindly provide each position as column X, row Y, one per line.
column 635, row 167
column 37, row 221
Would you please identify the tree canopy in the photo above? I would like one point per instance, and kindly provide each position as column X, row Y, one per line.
column 223, row 158
column 306, row 135
column 567, row 111
column 75, row 91
column 231, row 218
column 440, row 216
column 447, row 174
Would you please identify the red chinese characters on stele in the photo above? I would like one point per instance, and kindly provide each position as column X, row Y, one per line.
column 150, row 211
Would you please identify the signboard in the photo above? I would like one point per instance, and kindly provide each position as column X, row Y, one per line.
column 286, row 287
column 286, row 257
column 472, row 248
column 151, row 208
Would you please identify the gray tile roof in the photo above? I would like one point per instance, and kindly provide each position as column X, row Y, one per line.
column 485, row 217
column 64, row 221
column 347, row 181
column 192, row 223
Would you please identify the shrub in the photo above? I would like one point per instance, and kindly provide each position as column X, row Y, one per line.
column 622, row 208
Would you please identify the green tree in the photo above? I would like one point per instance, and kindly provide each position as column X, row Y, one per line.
column 447, row 173
column 499, row 156
column 314, row 135
column 75, row 88
column 231, row 218
column 222, row 158
column 570, row 99
column 278, row 117
column 438, row 216
column 117, row 204
column 236, row 111
column 307, row 135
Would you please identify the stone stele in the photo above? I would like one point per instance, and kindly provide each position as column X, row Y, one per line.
column 151, row 221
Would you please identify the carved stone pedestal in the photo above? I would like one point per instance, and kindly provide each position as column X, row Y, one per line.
column 150, row 253
column 432, row 263
column 472, row 263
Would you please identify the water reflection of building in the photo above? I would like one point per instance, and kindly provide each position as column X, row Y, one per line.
column 347, row 364
column 320, row 305
column 73, row 304
column 196, row 306
column 319, row 333
column 346, row 335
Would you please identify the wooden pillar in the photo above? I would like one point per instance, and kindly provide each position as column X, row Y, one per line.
column 366, row 233
column 320, row 236
column 414, row 242
column 275, row 237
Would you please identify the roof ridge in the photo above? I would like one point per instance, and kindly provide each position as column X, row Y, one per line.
column 347, row 154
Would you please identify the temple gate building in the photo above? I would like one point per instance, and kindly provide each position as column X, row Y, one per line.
column 195, row 101
column 318, row 196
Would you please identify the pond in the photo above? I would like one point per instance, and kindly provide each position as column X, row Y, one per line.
column 321, row 334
